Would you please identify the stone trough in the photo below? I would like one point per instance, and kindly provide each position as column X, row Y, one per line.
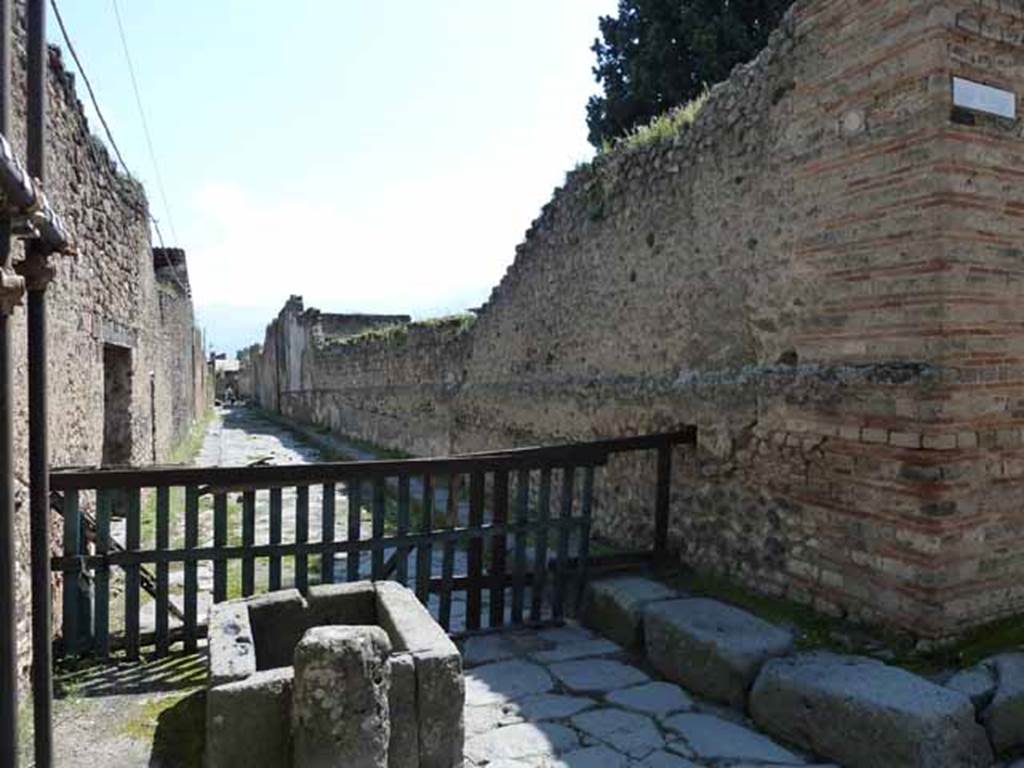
column 356, row 675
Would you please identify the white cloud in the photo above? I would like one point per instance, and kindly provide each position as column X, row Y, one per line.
column 436, row 244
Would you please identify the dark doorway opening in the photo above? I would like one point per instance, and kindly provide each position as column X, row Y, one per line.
column 117, row 400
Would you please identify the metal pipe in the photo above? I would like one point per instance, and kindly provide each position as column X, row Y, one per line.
column 38, row 276
column 8, row 616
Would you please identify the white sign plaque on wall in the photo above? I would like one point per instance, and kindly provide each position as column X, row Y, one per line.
column 984, row 98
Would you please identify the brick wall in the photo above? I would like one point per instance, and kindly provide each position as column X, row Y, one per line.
column 822, row 273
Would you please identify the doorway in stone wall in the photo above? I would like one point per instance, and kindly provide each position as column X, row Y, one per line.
column 117, row 399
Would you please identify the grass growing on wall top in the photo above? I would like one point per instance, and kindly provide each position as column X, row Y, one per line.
column 399, row 332
column 664, row 127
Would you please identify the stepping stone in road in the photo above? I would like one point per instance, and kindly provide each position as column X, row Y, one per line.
column 711, row 648
column 711, row 738
column 596, row 675
column 628, row 732
column 852, row 709
column 615, row 606
column 505, row 681
column 523, row 740
column 655, row 698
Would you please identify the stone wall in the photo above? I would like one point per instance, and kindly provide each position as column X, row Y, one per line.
column 107, row 295
column 822, row 273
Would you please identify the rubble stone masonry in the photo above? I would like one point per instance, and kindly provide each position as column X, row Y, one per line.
column 115, row 294
column 824, row 273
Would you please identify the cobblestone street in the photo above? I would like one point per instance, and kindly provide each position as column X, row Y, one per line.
column 567, row 698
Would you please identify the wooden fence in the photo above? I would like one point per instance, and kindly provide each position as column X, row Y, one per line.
column 504, row 535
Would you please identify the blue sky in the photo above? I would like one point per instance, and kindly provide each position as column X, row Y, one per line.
column 370, row 155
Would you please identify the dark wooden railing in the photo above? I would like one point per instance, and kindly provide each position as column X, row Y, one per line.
column 506, row 531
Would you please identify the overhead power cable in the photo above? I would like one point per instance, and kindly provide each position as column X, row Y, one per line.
column 106, row 126
column 145, row 123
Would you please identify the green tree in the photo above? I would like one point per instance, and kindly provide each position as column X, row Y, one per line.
column 658, row 54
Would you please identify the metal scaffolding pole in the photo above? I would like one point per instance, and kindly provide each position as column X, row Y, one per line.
column 11, row 290
column 37, row 272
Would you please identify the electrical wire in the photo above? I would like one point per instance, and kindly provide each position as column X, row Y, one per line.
column 110, row 136
column 145, row 123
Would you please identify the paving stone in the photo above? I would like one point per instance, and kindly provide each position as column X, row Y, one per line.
column 712, row 738
column 596, row 675
column 551, row 706
column 657, row 698
column 566, row 652
column 663, row 759
column 628, row 732
column 711, row 648
column 590, row 757
column 1004, row 717
column 566, row 635
column 485, row 649
column 505, row 681
column 523, row 740
column 614, row 607
column 486, row 718
column 852, row 709
column 977, row 683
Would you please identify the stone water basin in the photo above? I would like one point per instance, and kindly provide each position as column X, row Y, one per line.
column 352, row 675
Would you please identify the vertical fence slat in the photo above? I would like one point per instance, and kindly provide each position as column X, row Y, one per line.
column 661, row 504
column 403, row 528
column 191, row 569
column 327, row 534
column 355, row 527
column 274, row 567
column 499, row 546
column 562, row 551
column 586, row 514
column 301, row 537
column 248, row 539
column 101, row 584
column 475, row 556
column 379, row 501
column 424, row 552
column 131, row 576
column 163, row 540
column 72, row 595
column 220, row 539
column 448, row 555
column 519, row 558
column 540, row 551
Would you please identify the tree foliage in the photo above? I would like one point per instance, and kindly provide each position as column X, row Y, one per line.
column 658, row 54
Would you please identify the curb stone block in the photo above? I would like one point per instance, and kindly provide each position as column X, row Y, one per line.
column 853, row 709
column 614, row 607
column 711, row 648
column 1004, row 717
column 977, row 683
